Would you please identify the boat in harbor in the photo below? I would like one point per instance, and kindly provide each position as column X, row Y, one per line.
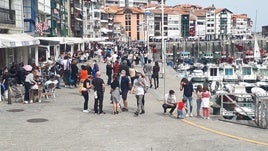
column 198, row 75
column 212, row 72
column 246, row 74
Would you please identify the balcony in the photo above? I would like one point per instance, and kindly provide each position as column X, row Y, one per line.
column 7, row 16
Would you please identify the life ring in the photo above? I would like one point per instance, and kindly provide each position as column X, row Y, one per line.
column 261, row 77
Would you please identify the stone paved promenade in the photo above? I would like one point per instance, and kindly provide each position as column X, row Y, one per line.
column 68, row 129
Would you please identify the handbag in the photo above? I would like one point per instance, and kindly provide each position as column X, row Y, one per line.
column 80, row 88
column 95, row 95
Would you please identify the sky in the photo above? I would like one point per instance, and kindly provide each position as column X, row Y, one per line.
column 249, row 7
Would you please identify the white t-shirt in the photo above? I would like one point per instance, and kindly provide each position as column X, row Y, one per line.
column 138, row 87
column 114, row 56
column 170, row 98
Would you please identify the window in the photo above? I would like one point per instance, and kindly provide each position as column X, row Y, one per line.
column 229, row 71
column 128, row 21
column 26, row 26
column 246, row 71
column 138, row 16
column 213, row 71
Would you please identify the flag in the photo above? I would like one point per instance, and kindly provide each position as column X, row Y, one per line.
column 39, row 27
column 45, row 25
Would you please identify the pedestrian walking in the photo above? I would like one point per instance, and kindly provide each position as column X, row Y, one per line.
column 95, row 68
column 125, row 86
column 188, row 90
column 155, row 75
column 115, row 94
column 148, row 71
column 85, row 92
column 99, row 89
column 109, row 72
column 66, row 70
column 74, row 74
column 138, row 86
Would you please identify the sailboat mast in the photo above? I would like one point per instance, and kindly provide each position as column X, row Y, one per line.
column 255, row 29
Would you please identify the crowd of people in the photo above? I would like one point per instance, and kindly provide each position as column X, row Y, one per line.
column 122, row 78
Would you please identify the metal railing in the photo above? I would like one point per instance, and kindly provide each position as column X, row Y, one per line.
column 7, row 16
column 261, row 112
column 228, row 101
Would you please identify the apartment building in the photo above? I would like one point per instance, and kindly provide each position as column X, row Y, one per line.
column 131, row 18
column 200, row 24
column 127, row 3
column 241, row 26
column 223, row 24
column 174, row 25
column 92, row 19
column 210, row 23
column 107, row 24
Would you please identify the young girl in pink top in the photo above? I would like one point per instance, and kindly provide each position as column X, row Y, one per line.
column 205, row 102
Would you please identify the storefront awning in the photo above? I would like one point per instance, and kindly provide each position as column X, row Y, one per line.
column 17, row 40
column 63, row 40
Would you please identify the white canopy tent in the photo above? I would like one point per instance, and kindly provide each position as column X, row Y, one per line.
column 17, row 40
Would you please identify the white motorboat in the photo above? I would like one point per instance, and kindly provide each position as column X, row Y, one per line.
column 246, row 74
column 198, row 76
column 183, row 67
column 213, row 73
column 262, row 73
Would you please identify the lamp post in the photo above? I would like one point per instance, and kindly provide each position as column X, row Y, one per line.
column 163, row 53
column 146, row 38
column 174, row 54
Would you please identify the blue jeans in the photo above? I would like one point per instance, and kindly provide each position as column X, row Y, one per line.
column 198, row 106
column 180, row 114
column 189, row 103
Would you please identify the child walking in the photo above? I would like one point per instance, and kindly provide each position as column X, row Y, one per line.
column 181, row 106
column 205, row 102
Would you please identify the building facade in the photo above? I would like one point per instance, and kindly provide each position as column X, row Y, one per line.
column 223, row 24
column 15, row 46
column 131, row 18
column 92, row 19
column 127, row 3
column 241, row 26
